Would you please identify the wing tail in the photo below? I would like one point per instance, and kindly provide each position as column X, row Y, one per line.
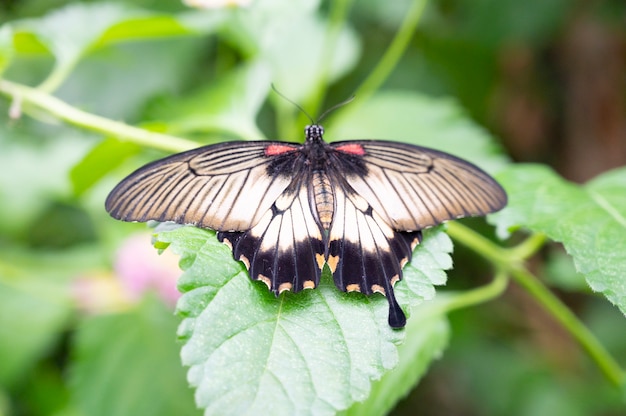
column 365, row 254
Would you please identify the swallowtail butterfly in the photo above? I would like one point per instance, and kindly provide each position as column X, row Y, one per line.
column 288, row 209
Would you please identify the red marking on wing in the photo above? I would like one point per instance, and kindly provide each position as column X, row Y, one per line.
column 278, row 149
column 352, row 148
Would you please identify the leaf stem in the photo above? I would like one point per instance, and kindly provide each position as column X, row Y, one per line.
column 510, row 261
column 579, row 331
column 479, row 295
column 479, row 243
column 338, row 13
column 528, row 247
column 73, row 115
column 57, row 76
column 394, row 52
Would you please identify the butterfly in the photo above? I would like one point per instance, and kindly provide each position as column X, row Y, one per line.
column 287, row 209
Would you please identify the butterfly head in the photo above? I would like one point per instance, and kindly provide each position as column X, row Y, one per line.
column 314, row 133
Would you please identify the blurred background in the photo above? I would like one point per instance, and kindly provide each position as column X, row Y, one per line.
column 547, row 78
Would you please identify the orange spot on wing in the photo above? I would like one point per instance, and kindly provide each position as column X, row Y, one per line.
column 352, row 148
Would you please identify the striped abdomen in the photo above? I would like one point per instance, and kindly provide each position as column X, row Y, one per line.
column 324, row 198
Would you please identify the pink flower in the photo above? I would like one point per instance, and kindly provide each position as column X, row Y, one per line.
column 140, row 268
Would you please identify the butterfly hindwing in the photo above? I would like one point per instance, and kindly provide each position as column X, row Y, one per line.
column 224, row 186
column 364, row 253
column 285, row 249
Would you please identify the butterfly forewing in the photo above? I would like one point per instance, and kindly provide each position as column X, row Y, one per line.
column 413, row 188
column 223, row 187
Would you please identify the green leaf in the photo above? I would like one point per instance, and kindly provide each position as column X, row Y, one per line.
column 101, row 159
column 33, row 312
column 71, row 32
column 427, row 268
column 297, row 53
column 291, row 38
column 589, row 220
column 228, row 105
column 68, row 32
column 127, row 364
column 143, row 28
column 427, row 335
column 314, row 351
column 6, row 47
column 38, row 172
column 409, row 117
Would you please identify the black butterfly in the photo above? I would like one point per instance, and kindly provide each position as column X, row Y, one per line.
column 288, row 209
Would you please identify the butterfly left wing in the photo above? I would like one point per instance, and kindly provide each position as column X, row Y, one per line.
column 225, row 186
column 285, row 249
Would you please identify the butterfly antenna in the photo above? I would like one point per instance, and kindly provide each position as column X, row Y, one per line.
column 334, row 107
column 294, row 103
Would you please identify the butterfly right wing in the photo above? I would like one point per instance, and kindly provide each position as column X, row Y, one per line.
column 365, row 254
column 226, row 186
column 414, row 187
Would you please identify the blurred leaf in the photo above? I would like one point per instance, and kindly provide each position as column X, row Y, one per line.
column 6, row 47
column 291, row 38
column 427, row 335
column 46, row 393
column 143, row 28
column 117, row 82
column 69, row 31
column 589, row 220
column 34, row 172
column 227, row 105
column 560, row 272
column 389, row 14
column 59, row 226
column 467, row 69
column 33, row 311
column 314, row 351
column 522, row 384
column 493, row 23
column 413, row 118
column 101, row 159
column 299, row 59
column 127, row 364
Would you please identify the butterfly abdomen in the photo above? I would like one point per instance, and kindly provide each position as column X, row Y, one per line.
column 323, row 198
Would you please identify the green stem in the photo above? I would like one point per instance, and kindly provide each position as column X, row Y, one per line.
column 528, row 247
column 579, row 331
column 338, row 13
column 58, row 75
column 393, row 54
column 479, row 244
column 510, row 261
column 480, row 295
column 80, row 118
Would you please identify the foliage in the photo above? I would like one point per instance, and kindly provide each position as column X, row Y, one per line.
column 86, row 322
